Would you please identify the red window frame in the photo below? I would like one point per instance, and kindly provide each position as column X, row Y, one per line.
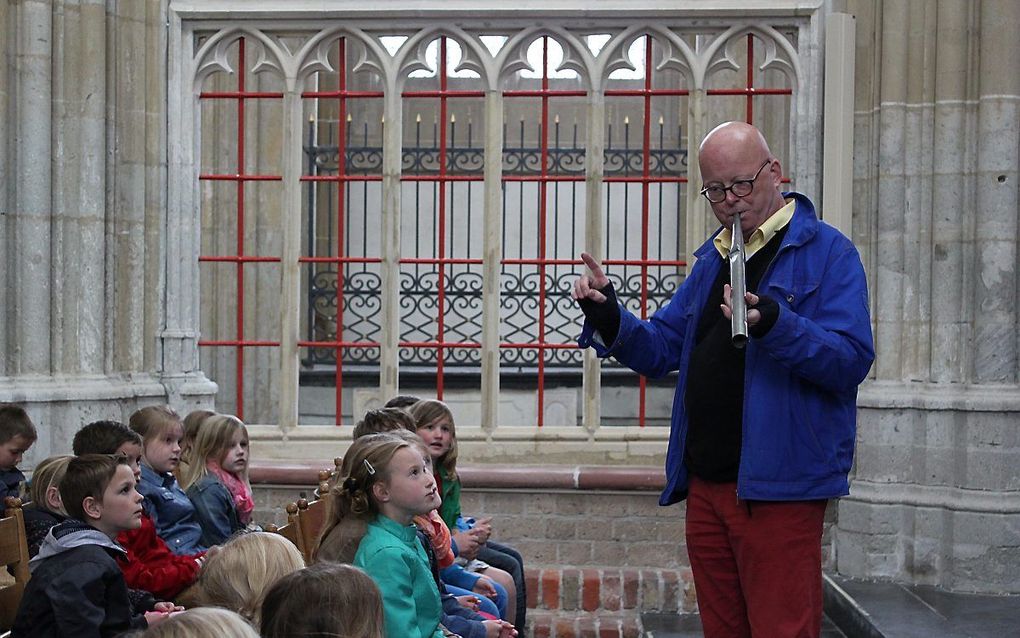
column 441, row 261
column 341, row 179
column 239, row 259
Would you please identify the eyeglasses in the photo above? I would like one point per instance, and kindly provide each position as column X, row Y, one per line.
column 740, row 188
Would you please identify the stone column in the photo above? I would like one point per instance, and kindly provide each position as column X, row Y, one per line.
column 79, row 288
column 935, row 495
column 29, row 193
column 84, row 161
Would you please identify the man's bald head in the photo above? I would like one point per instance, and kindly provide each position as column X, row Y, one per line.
column 739, row 138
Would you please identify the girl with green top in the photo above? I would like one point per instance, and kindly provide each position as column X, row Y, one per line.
column 386, row 486
column 435, row 426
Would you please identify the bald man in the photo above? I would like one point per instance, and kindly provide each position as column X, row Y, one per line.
column 761, row 437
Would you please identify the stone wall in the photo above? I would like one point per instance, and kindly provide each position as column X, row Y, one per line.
column 83, row 202
column 935, row 495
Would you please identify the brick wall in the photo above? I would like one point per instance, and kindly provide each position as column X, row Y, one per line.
column 598, row 548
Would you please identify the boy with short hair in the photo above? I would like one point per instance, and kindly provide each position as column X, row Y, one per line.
column 149, row 564
column 17, row 434
column 76, row 588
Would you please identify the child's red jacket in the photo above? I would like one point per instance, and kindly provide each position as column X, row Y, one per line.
column 150, row 565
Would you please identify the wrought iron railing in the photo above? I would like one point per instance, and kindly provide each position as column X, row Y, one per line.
column 519, row 287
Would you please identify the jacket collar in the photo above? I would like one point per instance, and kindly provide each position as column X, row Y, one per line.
column 72, row 533
column 802, row 227
column 406, row 533
column 150, row 475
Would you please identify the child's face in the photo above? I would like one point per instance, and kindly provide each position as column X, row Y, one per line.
column 163, row 453
column 121, row 507
column 438, row 437
column 133, row 452
column 235, row 459
column 12, row 451
column 410, row 489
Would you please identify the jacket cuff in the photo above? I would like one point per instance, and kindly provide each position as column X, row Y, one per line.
column 769, row 309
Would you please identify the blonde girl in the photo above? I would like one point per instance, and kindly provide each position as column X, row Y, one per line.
column 216, row 478
column 239, row 576
column 192, row 423
column 202, row 623
column 385, row 485
column 435, row 426
column 165, row 502
column 326, row 599
column 46, row 509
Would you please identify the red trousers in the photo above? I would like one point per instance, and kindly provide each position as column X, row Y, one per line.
column 757, row 564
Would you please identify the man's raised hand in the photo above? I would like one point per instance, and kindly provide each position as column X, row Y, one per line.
column 588, row 286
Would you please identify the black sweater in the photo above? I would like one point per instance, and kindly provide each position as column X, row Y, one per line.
column 715, row 381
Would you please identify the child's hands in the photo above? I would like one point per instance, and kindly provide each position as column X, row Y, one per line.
column 153, row 618
column 483, row 528
column 484, row 587
column 498, row 629
column 468, row 543
column 469, row 602
column 166, row 607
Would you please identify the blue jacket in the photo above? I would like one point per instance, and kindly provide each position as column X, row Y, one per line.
column 801, row 378
column 171, row 511
column 215, row 509
column 10, row 484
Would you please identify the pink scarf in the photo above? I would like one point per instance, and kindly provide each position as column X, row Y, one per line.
column 239, row 489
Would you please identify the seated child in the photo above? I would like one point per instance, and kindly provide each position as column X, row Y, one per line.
column 435, row 538
column 149, row 565
column 45, row 510
column 17, row 434
column 216, row 478
column 386, row 486
column 240, row 574
column 435, row 426
column 165, row 502
column 203, row 622
column 76, row 588
column 326, row 599
column 192, row 423
column 457, row 584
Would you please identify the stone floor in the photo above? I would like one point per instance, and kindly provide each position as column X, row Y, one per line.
column 870, row 609
column 689, row 626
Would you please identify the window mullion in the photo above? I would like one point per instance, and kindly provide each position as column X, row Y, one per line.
column 594, row 240
column 290, row 271
column 492, row 255
column 390, row 242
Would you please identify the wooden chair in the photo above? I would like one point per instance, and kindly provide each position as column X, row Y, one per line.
column 305, row 519
column 14, row 557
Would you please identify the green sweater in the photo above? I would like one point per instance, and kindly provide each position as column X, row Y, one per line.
column 450, row 491
column 391, row 554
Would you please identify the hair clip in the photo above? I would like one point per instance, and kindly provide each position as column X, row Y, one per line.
column 368, row 466
column 351, row 484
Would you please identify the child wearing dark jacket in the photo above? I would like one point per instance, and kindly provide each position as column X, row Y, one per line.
column 76, row 588
column 17, row 434
column 148, row 564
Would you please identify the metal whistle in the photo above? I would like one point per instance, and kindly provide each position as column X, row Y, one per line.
column 738, row 286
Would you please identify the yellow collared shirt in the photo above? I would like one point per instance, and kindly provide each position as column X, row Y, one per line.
column 761, row 235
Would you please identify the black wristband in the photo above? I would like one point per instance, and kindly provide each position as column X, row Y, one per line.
column 769, row 310
column 605, row 316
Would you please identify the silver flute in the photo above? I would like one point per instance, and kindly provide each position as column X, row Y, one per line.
column 738, row 286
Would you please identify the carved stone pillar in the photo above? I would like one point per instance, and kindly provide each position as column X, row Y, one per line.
column 936, row 493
